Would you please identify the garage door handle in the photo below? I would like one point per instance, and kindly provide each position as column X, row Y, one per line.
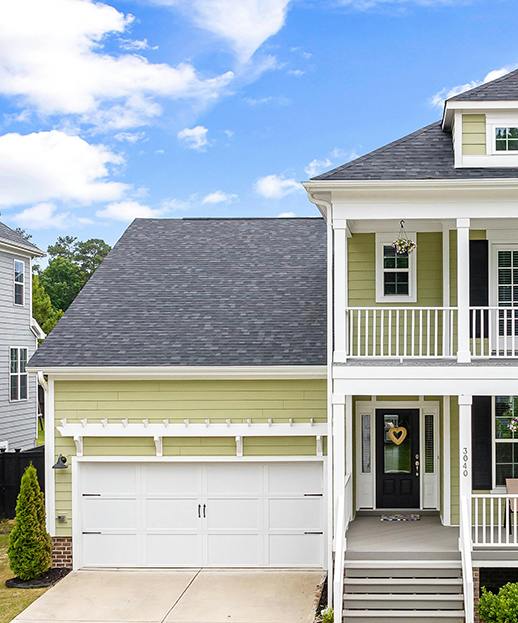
column 309, row 532
column 199, row 511
column 92, row 532
column 204, row 508
column 313, row 495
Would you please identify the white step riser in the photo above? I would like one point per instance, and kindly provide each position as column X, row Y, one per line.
column 402, row 602
column 384, row 586
column 375, row 572
column 352, row 617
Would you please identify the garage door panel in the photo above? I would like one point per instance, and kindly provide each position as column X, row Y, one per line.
column 234, row 514
column 174, row 550
column 295, row 550
column 177, row 514
column 180, row 479
column 107, row 514
column 234, row 550
column 247, row 479
column 295, row 514
column 110, row 550
column 295, row 478
column 120, row 478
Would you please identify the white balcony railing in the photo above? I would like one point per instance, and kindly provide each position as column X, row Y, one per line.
column 494, row 332
column 401, row 332
column 494, row 520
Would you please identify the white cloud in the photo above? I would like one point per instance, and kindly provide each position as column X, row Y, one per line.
column 129, row 137
column 45, row 166
column 52, row 58
column 136, row 45
column 126, row 211
column 276, row 186
column 42, row 216
column 278, row 100
column 297, row 73
column 218, row 196
column 194, row 138
column 364, row 5
column 317, row 166
column 286, row 215
column 244, row 24
column 439, row 98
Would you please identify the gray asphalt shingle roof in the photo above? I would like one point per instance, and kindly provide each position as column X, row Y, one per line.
column 208, row 292
column 504, row 88
column 9, row 235
column 426, row 154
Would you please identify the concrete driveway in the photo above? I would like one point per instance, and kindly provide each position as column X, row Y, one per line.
column 187, row 596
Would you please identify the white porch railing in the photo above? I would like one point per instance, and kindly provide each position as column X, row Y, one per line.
column 344, row 513
column 465, row 547
column 401, row 332
column 494, row 520
column 494, row 332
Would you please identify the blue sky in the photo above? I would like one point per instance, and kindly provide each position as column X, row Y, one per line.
column 185, row 108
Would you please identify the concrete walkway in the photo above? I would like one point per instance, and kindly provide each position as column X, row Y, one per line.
column 187, row 596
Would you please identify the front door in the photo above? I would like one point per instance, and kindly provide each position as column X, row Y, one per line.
column 397, row 458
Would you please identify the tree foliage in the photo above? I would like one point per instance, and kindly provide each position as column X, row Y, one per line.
column 29, row 542
column 43, row 311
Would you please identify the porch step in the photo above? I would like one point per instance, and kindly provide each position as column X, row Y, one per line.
column 412, row 591
column 405, row 616
column 396, row 585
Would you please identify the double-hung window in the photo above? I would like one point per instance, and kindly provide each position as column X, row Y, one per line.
column 18, row 378
column 395, row 273
column 506, row 139
column 19, row 282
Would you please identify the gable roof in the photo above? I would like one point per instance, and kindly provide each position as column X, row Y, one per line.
column 426, row 154
column 12, row 237
column 201, row 292
column 504, row 88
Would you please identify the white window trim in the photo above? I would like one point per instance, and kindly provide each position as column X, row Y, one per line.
column 497, row 488
column 499, row 121
column 18, row 374
column 384, row 239
column 15, row 283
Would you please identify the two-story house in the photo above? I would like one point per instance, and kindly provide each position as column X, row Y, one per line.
column 337, row 393
column 19, row 334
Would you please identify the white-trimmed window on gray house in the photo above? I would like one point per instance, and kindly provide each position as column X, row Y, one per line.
column 19, row 282
column 18, row 377
column 506, row 438
column 396, row 279
column 506, row 139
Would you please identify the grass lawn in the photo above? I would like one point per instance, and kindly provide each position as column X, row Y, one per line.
column 12, row 600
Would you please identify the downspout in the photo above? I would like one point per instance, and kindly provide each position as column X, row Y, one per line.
column 326, row 209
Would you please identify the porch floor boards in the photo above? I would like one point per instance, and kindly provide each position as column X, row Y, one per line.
column 369, row 538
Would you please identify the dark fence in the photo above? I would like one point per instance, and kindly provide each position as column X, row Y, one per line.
column 12, row 466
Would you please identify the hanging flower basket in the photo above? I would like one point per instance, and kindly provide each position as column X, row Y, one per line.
column 513, row 425
column 402, row 244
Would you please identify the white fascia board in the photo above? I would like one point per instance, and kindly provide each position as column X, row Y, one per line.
column 451, row 380
column 183, row 372
column 473, row 107
column 37, row 330
column 18, row 249
column 455, row 184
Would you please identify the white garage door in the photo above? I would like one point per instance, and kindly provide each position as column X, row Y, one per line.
column 197, row 515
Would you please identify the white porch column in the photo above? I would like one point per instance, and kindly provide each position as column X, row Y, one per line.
column 465, row 461
column 340, row 290
column 446, row 302
column 463, row 353
column 338, row 452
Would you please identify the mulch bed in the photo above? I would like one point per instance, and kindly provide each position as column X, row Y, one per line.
column 51, row 577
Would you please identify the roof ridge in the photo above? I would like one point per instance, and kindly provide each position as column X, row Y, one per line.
column 482, row 86
column 377, row 151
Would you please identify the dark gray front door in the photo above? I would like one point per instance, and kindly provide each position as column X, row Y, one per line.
column 397, row 458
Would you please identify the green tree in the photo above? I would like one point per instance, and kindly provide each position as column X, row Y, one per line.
column 43, row 311
column 23, row 233
column 89, row 254
column 62, row 280
column 63, row 247
column 29, row 542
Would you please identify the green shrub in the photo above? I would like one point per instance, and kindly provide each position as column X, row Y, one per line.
column 500, row 608
column 29, row 543
column 327, row 615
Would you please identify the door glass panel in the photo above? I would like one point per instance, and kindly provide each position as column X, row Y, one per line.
column 366, row 444
column 429, row 444
column 397, row 458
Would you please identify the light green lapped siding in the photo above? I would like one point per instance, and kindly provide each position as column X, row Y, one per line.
column 474, row 135
column 179, row 400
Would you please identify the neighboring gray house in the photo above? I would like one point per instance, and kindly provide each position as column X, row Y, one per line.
column 19, row 334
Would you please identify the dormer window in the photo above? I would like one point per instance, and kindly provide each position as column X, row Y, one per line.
column 506, row 139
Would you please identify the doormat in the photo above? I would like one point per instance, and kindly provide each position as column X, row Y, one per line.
column 401, row 517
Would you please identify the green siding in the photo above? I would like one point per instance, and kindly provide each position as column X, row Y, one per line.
column 179, row 400
column 474, row 135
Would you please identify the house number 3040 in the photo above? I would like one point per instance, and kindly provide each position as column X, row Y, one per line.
column 465, row 459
